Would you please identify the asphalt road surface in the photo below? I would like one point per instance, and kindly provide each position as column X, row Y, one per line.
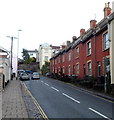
column 61, row 100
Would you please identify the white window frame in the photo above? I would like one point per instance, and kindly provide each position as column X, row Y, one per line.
column 69, row 56
column 89, row 64
column 77, row 68
column 77, row 52
column 106, row 41
column 89, row 48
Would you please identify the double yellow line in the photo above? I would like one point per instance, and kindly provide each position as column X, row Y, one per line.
column 36, row 103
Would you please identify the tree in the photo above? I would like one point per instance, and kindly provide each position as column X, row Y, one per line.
column 26, row 57
column 45, row 68
column 33, row 59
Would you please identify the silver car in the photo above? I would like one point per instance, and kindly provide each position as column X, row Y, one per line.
column 35, row 75
column 24, row 76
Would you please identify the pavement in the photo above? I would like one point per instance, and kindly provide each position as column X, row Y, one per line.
column 99, row 94
column 13, row 105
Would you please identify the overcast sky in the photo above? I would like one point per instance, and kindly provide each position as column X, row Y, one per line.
column 46, row 21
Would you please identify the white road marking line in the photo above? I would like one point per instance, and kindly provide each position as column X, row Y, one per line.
column 55, row 89
column 99, row 113
column 71, row 98
column 46, row 84
column 42, row 81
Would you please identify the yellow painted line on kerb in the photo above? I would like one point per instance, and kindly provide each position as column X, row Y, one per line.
column 36, row 103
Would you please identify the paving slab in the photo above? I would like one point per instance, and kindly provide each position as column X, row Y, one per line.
column 13, row 105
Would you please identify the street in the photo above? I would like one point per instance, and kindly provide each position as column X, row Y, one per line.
column 61, row 100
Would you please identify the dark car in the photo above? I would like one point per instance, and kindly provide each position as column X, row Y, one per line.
column 20, row 71
column 28, row 71
column 48, row 74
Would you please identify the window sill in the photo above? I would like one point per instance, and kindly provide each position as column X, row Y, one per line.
column 105, row 49
column 77, row 57
column 88, row 55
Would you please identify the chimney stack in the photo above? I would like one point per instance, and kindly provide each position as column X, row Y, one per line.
column 74, row 38
column 82, row 31
column 68, row 42
column 63, row 46
column 107, row 9
column 93, row 23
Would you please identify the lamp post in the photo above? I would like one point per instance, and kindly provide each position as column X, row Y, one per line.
column 11, row 53
column 18, row 44
column 18, row 49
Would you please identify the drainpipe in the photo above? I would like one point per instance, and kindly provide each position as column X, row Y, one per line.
column 105, row 84
column 94, row 33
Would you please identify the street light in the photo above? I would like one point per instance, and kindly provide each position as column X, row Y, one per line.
column 18, row 44
column 18, row 48
column 11, row 52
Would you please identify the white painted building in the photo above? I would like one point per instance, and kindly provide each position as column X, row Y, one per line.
column 45, row 53
column 5, row 67
column 111, row 29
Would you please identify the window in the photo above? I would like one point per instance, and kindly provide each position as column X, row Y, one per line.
column 46, row 50
column 99, row 69
column 69, row 70
column 66, row 70
column 59, row 70
column 89, row 48
column 53, row 69
column 77, row 52
column 73, row 69
column 63, row 70
column 31, row 54
column 84, row 67
column 46, row 58
column 107, row 64
column 55, row 61
column 106, row 41
column 63, row 58
column 77, row 68
column 59, row 60
column 69, row 56
column 89, row 69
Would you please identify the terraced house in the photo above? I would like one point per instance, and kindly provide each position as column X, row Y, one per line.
column 89, row 54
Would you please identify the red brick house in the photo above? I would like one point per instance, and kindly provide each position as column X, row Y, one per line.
column 87, row 55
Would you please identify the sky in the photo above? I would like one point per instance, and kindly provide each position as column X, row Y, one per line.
column 46, row 21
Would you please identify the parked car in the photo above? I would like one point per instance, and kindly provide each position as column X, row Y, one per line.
column 35, row 75
column 48, row 74
column 28, row 71
column 24, row 76
column 20, row 72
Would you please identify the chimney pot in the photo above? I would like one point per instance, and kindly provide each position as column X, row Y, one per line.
column 68, row 42
column 107, row 9
column 74, row 38
column 82, row 31
column 92, row 23
column 63, row 46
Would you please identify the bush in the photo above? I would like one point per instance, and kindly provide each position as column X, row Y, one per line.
column 92, row 80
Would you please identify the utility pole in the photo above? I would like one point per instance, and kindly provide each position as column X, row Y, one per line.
column 11, row 67
column 18, row 52
column 11, row 56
